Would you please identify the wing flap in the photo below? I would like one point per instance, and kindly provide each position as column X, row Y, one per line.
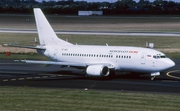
column 72, row 64
column 52, row 63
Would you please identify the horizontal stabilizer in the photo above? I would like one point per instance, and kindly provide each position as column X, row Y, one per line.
column 21, row 46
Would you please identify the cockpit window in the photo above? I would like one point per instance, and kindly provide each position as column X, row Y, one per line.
column 158, row 56
column 154, row 56
column 163, row 56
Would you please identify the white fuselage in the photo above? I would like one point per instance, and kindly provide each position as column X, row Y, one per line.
column 122, row 58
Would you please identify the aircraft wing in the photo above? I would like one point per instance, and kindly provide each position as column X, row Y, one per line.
column 71, row 64
column 52, row 63
column 21, row 46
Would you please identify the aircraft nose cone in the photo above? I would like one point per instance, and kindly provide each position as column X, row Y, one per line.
column 171, row 63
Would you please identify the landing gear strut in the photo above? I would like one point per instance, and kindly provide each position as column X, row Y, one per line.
column 154, row 74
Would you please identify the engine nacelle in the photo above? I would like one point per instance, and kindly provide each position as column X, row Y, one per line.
column 97, row 70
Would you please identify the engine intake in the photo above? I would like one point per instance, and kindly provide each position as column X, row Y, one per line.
column 97, row 70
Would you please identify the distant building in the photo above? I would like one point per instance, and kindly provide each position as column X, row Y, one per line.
column 90, row 13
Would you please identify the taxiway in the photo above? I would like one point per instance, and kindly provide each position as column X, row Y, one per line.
column 30, row 75
column 165, row 34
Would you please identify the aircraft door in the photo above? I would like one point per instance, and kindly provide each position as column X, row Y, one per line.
column 154, row 61
column 143, row 58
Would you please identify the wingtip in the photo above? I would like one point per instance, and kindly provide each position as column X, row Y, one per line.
column 20, row 61
column 5, row 45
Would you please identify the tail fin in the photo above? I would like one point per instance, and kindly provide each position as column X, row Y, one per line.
column 46, row 34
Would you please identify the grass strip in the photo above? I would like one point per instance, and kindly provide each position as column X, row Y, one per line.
column 23, row 56
column 168, row 45
column 140, row 41
column 45, row 99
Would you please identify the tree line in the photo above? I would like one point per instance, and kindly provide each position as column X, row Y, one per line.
column 121, row 7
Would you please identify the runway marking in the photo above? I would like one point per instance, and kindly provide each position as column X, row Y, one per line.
column 21, row 78
column 44, row 76
column 37, row 77
column 13, row 79
column 53, row 76
column 5, row 80
column 29, row 78
column 169, row 81
column 168, row 74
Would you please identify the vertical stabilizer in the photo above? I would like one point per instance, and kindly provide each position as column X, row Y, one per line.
column 46, row 34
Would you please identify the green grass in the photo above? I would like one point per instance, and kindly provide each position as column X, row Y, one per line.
column 140, row 41
column 170, row 43
column 45, row 99
column 173, row 55
column 23, row 56
column 159, row 42
column 19, row 38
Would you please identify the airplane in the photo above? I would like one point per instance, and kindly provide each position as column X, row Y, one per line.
column 97, row 61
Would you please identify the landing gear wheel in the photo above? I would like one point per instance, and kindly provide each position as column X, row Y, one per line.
column 153, row 78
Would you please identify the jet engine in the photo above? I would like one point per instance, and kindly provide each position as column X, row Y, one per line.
column 97, row 70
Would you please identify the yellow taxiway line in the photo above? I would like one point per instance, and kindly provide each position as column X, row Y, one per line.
column 169, row 74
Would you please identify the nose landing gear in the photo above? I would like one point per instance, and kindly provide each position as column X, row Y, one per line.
column 154, row 74
column 153, row 78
